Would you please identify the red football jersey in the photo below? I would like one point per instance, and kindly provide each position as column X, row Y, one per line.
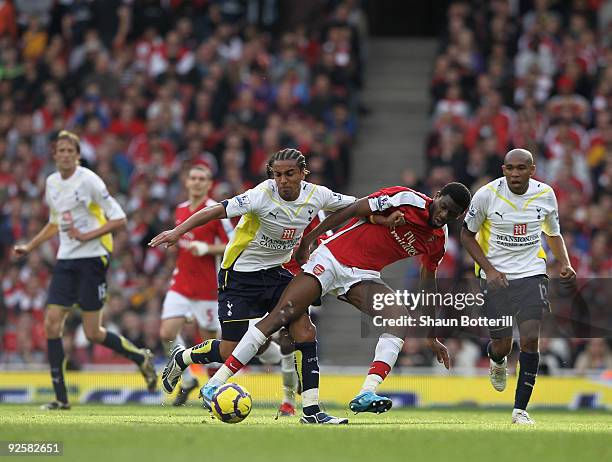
column 361, row 244
column 196, row 277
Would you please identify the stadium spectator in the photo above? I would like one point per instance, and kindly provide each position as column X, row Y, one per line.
column 178, row 84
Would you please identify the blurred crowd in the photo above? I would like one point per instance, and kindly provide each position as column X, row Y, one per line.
column 152, row 87
column 536, row 75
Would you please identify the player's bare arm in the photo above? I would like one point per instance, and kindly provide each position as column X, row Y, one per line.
column 427, row 283
column 559, row 250
column 360, row 208
column 495, row 279
column 108, row 227
column 48, row 231
column 171, row 237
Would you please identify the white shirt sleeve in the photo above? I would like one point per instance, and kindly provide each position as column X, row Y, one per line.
column 101, row 196
column 477, row 212
column 247, row 202
column 551, row 221
column 333, row 201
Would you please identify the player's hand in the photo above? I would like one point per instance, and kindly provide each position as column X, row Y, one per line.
column 567, row 275
column 496, row 280
column 169, row 238
column 395, row 219
column 303, row 252
column 440, row 351
column 21, row 250
column 74, row 233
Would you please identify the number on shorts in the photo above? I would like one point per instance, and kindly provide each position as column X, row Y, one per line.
column 543, row 292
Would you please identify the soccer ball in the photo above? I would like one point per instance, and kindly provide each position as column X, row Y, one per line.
column 231, row 403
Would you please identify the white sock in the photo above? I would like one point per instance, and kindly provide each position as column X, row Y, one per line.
column 187, row 356
column 385, row 356
column 187, row 377
column 310, row 397
column 250, row 344
column 221, row 376
column 245, row 351
column 290, row 378
column 271, row 355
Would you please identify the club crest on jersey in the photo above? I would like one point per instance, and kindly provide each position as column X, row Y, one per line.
column 520, row 229
column 318, row 270
column 288, row 234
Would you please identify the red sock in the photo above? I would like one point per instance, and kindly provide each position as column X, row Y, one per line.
column 380, row 368
column 233, row 364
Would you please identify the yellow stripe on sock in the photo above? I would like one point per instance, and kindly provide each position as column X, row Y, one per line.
column 298, row 366
column 129, row 346
column 205, row 348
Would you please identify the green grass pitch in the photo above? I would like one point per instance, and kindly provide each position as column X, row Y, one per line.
column 149, row 433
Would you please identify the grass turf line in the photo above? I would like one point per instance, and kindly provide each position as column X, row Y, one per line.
column 117, row 433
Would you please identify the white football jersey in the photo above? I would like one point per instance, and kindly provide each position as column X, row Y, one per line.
column 510, row 226
column 271, row 227
column 81, row 200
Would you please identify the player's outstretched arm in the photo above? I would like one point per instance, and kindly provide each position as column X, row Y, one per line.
column 428, row 285
column 48, row 231
column 359, row 208
column 559, row 250
column 171, row 237
column 494, row 277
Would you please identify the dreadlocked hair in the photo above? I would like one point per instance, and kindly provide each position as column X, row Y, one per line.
column 287, row 154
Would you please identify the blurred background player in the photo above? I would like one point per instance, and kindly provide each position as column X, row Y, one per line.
column 509, row 215
column 252, row 279
column 85, row 215
column 193, row 289
column 348, row 264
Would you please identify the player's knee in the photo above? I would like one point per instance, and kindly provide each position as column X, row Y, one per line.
column 530, row 345
column 286, row 342
column 305, row 333
column 166, row 334
column 95, row 336
column 53, row 328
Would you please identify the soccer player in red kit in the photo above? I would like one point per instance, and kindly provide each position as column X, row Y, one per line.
column 348, row 264
column 193, row 289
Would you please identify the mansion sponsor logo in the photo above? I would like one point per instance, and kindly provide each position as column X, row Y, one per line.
column 278, row 244
column 517, row 241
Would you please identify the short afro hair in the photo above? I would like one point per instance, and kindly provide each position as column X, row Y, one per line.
column 459, row 193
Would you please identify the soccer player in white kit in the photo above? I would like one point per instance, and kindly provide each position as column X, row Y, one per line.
column 252, row 279
column 193, row 288
column 502, row 232
column 84, row 214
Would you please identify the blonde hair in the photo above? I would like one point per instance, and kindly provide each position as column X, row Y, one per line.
column 72, row 137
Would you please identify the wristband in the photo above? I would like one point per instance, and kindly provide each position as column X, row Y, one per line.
column 200, row 247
